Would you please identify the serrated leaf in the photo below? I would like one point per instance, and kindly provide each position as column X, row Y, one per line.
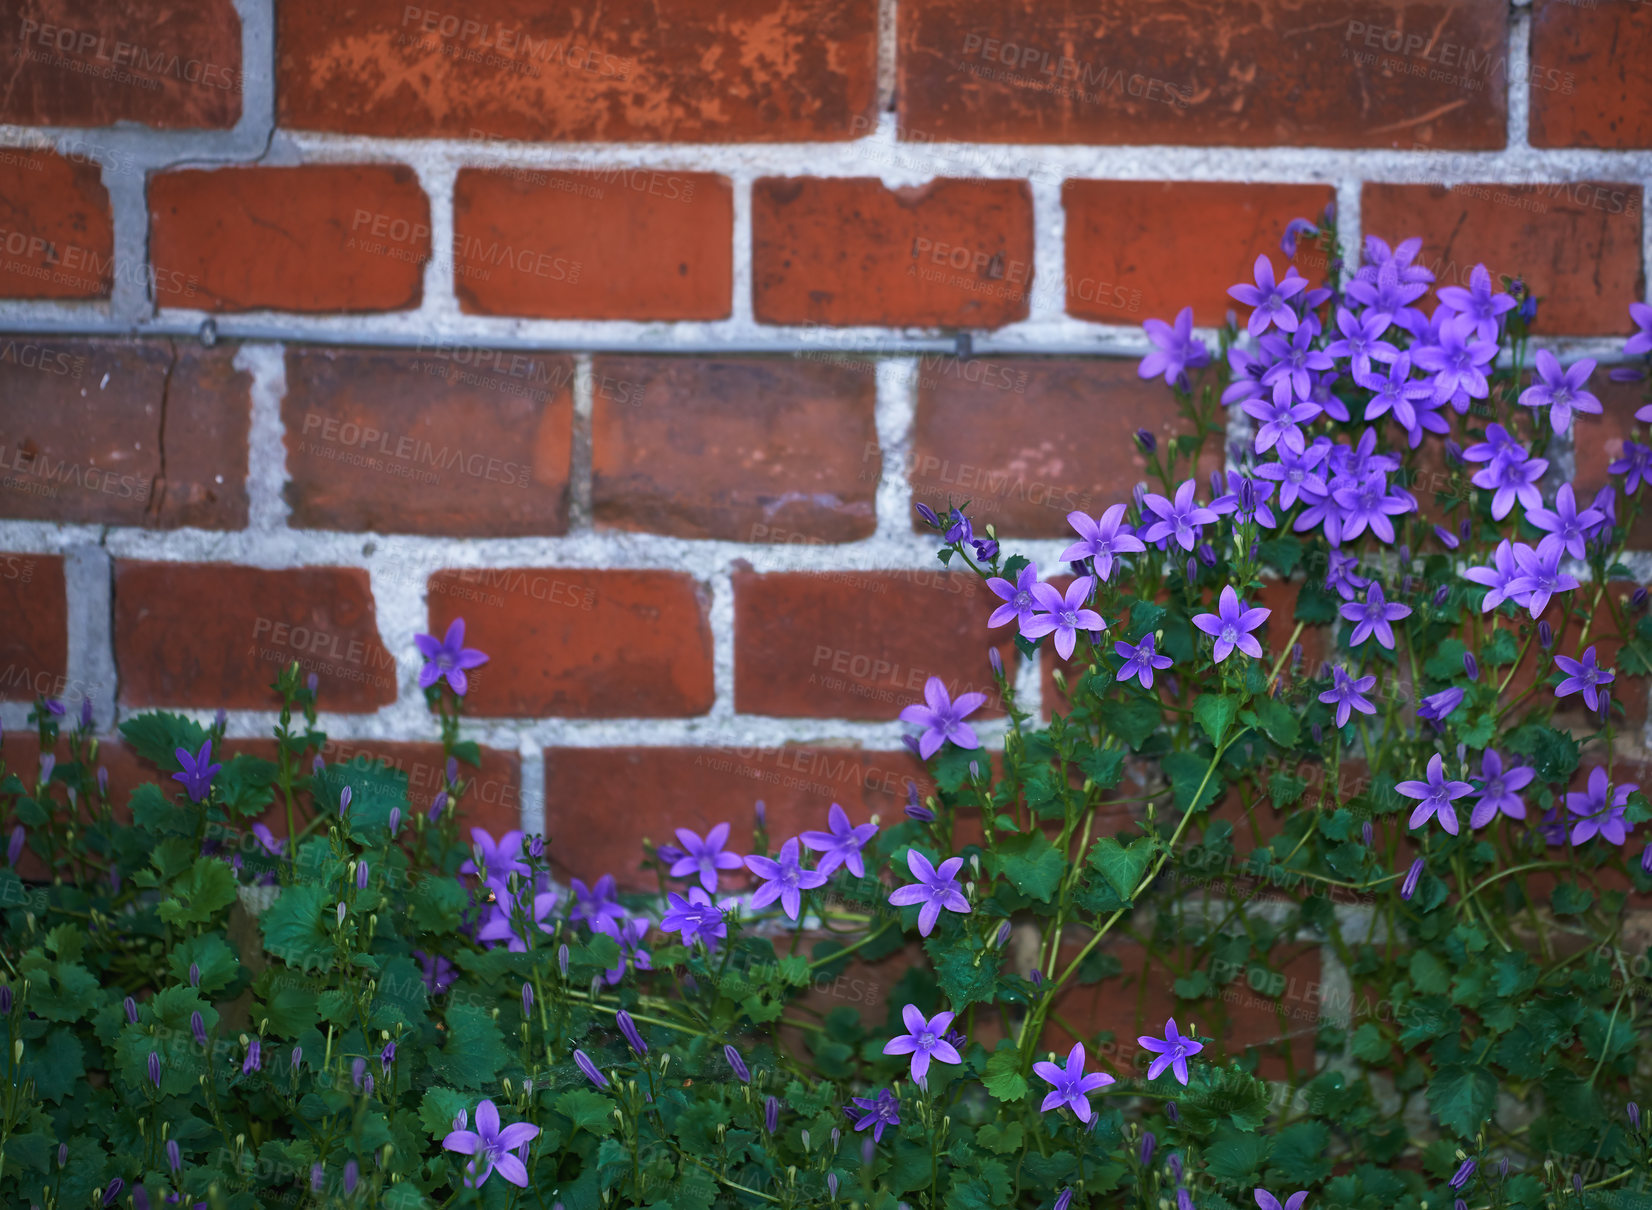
column 1123, row 866
column 156, row 736
column 1032, row 864
column 588, row 1110
column 1132, row 719
column 294, row 928
column 200, row 893
column 1215, row 712
column 1002, row 1077
column 1463, row 1097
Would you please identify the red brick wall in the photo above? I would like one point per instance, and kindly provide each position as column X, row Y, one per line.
column 628, row 343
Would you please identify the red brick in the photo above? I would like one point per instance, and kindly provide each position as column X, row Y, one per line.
column 623, row 244
column 321, row 237
column 694, row 71
column 860, row 644
column 1588, row 78
column 952, row 253
column 742, row 449
column 1578, row 245
column 56, row 231
column 1149, row 248
column 452, row 441
column 1278, row 73
column 1597, row 442
column 1028, row 440
column 572, row 642
column 34, row 643
column 123, row 432
column 204, row 635
column 161, row 63
column 653, row 791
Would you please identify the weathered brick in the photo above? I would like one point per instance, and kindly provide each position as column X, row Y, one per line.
column 1314, row 73
column 858, row 644
column 953, row 253
column 57, row 236
column 34, row 643
column 621, row 244
column 123, row 432
column 1139, row 249
column 445, row 440
column 634, row 72
column 1515, row 231
column 204, row 635
column 578, row 643
column 318, row 237
column 1028, row 440
column 157, row 62
column 657, row 790
column 742, row 449
column 1588, row 75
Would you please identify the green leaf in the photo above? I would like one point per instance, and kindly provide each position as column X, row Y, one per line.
column 1369, row 1044
column 153, row 811
column 475, row 1054
column 1002, row 1077
column 1571, row 900
column 1235, row 1157
column 245, row 784
column 1429, row 974
column 1278, row 721
column 1187, row 772
column 201, row 893
column 1123, row 867
column 1284, row 789
column 1463, row 1097
column 438, row 1109
column 294, row 929
column 157, row 735
column 587, row 1110
column 1215, row 713
column 1132, row 719
column 1301, row 1154
column 1032, row 864
column 217, row 963
column 1002, row 1139
column 1103, row 766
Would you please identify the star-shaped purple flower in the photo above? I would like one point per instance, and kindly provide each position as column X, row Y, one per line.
column 1600, row 817
column 1561, row 391
column 1231, row 625
column 1295, row 472
column 1348, row 694
column 1500, row 791
column 1499, row 578
column 1141, row 660
column 1072, row 1088
column 704, row 857
column 925, row 1041
column 1435, row 795
column 1270, row 299
column 697, row 918
column 494, row 1148
column 878, row 1112
column 936, row 888
column 1178, row 519
column 448, row 658
column 1374, row 617
column 1540, row 575
column 1437, row 707
column 499, row 861
column 1566, row 521
column 1479, row 302
column 1281, row 423
column 1173, row 1051
column 505, row 916
column 1177, row 349
column 785, row 879
column 1018, row 598
column 1066, row 617
column 1641, row 342
column 942, row 718
column 1458, row 361
column 1102, row 540
column 1267, row 1201
column 1585, row 676
column 594, row 904
column 196, row 774
column 841, row 843
column 1362, row 341
column 630, row 934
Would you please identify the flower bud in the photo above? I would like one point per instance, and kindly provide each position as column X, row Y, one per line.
column 996, row 660
column 1471, row 666
column 131, row 1007
column 1409, row 887
column 344, row 797
column 1545, row 634
column 1147, row 441
column 395, row 820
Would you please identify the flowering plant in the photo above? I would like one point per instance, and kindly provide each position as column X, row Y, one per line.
column 1360, row 710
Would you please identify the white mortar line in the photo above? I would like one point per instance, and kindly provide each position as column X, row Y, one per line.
column 91, row 670
column 580, row 455
column 267, row 507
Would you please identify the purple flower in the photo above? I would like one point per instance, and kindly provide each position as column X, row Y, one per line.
column 877, row 1112
column 197, row 1026
column 1436, row 795
column 154, row 1068
column 737, row 1064
column 1600, row 817
column 1267, row 1201
column 1366, row 501
column 498, row 861
column 174, row 1156
column 1641, row 341
column 438, row 973
column 1561, row 391
column 785, row 879
column 1565, row 521
column 1072, row 1088
column 1066, row 617
column 592, row 904
column 1461, row 1176
column 1295, row 363
column 448, row 658
column 1361, row 341
column 1348, row 694
column 1374, row 618
column 630, row 934
column 1017, row 597
column 1458, row 362
column 697, row 918
column 1179, row 519
column 943, row 718
column 1231, row 625
column 1102, row 540
column 841, row 843
column 959, row 529
column 581, row 1061
column 1636, row 465
column 1271, row 300
column 936, row 888
column 1281, row 423
column 1141, row 660
column 1500, row 793
column 1499, row 578
column 255, row 1057
column 196, row 774
column 924, row 1041
column 1478, row 302
column 1584, row 675
column 1437, row 707
column 1177, row 351
column 1408, row 888
column 704, row 857
column 1173, row 1051
column 633, row 1037
column 494, row 1148
column 1540, row 575
column 510, row 914
column 1512, row 477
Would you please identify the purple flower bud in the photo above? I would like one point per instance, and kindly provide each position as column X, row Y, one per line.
column 1037, row 977
column 395, row 820
column 436, row 805
column 1005, row 929
column 1464, row 1171
column 1147, row 441
column 113, row 1191
column 633, row 1036
column 911, row 742
column 1408, row 888
column 562, row 959
column 358, row 1072
column 1454, row 452
column 452, row 769
column 831, row 1184
column 928, row 514
column 55, row 706
column 1545, row 634
column 318, row 1178
column 1148, row 1142
column 1296, row 656
column 361, row 876
column 461, row 1120
column 5, row 999
column 317, row 765
column 312, row 682
column 131, row 1007
column 1646, row 858
column 996, row 660
column 174, row 1158
column 1503, row 1167
column 155, row 1069
column 1368, row 834
column 1466, row 529
column 86, row 713
column 1184, row 1199
column 1405, row 586
column 1637, row 599
column 197, row 1028
column 1471, row 666
column 255, row 1057
column 1063, row 1200
column 974, row 770
column 1206, row 553
column 527, row 999
column 1634, row 1112
column 1459, row 1204
column 536, row 847
column 741, row 1071
column 297, row 1057
column 1318, row 734
column 387, row 1056
column 1440, row 593
column 867, row 1150
column 583, row 1061
column 762, row 812
column 352, row 1174
column 1577, row 1183
column 62, row 1155
column 915, row 809
column 1446, row 537
column 1192, row 570
column 1174, row 1163
column 344, row 797
column 47, row 764
column 194, row 974
column 771, row 1115
column 342, row 913
column 219, row 720
column 103, row 781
